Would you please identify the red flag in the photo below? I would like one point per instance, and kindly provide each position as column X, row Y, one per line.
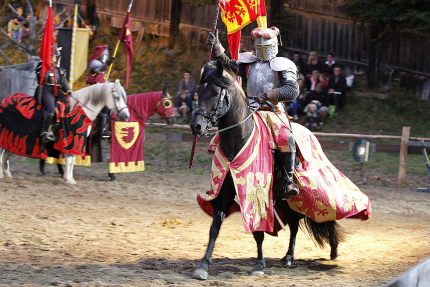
column 236, row 14
column 125, row 36
column 47, row 46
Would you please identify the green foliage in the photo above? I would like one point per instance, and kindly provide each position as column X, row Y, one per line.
column 414, row 14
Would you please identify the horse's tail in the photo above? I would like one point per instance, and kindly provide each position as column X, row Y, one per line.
column 325, row 232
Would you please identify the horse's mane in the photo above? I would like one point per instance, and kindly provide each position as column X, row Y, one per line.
column 226, row 80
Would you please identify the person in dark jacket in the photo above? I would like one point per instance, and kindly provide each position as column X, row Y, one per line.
column 321, row 99
column 336, row 88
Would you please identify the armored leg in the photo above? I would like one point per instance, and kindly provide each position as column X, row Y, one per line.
column 290, row 189
column 46, row 132
column 104, row 123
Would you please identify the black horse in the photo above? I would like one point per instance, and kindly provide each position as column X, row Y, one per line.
column 222, row 101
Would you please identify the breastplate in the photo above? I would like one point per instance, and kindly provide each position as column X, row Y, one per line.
column 261, row 78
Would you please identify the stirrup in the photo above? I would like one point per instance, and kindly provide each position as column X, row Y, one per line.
column 289, row 191
column 106, row 133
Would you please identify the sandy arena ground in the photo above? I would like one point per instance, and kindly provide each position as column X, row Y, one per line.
column 147, row 230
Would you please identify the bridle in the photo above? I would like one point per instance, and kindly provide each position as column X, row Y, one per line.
column 115, row 90
column 219, row 111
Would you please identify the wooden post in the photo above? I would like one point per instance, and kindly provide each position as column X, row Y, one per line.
column 403, row 157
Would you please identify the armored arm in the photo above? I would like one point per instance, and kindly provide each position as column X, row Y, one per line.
column 64, row 83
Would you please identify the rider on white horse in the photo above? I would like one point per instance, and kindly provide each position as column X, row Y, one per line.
column 269, row 78
column 46, row 94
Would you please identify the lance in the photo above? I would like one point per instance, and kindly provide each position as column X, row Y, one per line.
column 193, row 149
column 117, row 45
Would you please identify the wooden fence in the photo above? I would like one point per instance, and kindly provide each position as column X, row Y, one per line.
column 18, row 78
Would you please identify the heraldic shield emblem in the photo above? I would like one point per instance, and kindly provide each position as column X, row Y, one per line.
column 126, row 133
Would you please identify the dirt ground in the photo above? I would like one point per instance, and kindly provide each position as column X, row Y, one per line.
column 147, row 230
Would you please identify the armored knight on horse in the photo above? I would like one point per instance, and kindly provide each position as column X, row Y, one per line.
column 269, row 78
column 54, row 85
column 97, row 67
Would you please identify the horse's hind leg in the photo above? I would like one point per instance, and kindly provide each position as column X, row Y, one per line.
column 1, row 162
column 335, row 237
column 260, row 264
column 42, row 164
column 221, row 205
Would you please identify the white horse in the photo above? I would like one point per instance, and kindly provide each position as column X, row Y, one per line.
column 91, row 99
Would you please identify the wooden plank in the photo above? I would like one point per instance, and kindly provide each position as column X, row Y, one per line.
column 403, row 157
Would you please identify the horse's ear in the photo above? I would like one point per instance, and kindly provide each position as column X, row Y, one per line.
column 219, row 66
column 165, row 92
column 117, row 82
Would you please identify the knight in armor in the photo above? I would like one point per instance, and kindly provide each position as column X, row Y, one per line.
column 269, row 79
column 46, row 95
column 97, row 67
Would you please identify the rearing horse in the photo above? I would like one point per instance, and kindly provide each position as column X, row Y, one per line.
column 222, row 101
column 90, row 100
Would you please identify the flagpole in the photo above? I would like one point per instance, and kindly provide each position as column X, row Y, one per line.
column 193, row 148
column 72, row 55
column 117, row 45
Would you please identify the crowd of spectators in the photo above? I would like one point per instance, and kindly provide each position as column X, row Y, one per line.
column 322, row 89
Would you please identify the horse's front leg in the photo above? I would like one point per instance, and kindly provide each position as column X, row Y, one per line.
column 260, row 264
column 68, row 168
column 221, row 205
column 4, row 164
column 293, row 223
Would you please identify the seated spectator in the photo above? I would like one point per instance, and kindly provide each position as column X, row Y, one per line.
column 337, row 88
column 299, row 103
column 323, row 80
column 297, row 59
column 299, row 73
column 329, row 65
column 313, row 64
column 312, row 117
column 320, row 98
column 183, row 105
column 13, row 25
column 310, row 82
column 187, row 85
column 24, row 29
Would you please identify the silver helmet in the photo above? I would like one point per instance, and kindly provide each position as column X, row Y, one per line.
column 265, row 42
column 104, row 56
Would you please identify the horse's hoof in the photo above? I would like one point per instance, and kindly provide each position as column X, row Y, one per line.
column 288, row 260
column 258, row 269
column 200, row 274
column 333, row 255
column 8, row 174
column 71, row 181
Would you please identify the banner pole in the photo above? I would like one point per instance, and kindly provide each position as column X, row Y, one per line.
column 193, row 148
column 117, row 45
column 72, row 55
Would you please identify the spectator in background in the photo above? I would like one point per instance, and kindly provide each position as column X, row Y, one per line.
column 313, row 64
column 323, row 80
column 299, row 73
column 312, row 117
column 187, row 85
column 320, row 98
column 336, row 88
column 13, row 25
column 195, row 103
column 329, row 65
column 299, row 103
column 297, row 59
column 24, row 29
column 311, row 81
column 183, row 105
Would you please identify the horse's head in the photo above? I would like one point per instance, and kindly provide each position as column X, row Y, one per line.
column 215, row 89
column 165, row 108
column 118, row 101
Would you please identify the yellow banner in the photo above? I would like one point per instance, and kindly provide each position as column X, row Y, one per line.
column 81, row 52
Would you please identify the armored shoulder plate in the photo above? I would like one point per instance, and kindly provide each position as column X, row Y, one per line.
column 246, row 58
column 282, row 64
column 95, row 64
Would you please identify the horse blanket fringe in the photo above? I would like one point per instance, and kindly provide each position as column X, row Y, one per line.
column 21, row 120
column 325, row 193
